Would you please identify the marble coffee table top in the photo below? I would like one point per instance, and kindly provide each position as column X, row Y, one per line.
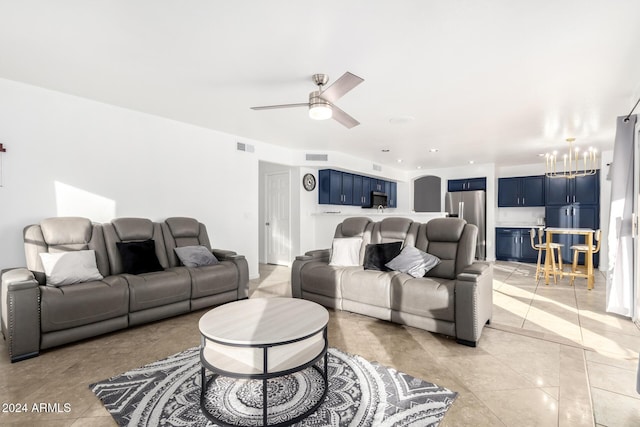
column 259, row 321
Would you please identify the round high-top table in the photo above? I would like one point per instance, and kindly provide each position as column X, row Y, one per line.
column 263, row 338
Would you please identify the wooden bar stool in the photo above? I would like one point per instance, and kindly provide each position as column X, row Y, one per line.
column 577, row 249
column 543, row 247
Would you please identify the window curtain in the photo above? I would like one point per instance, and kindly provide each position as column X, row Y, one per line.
column 620, row 286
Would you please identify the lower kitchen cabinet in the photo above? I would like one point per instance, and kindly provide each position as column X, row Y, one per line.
column 514, row 244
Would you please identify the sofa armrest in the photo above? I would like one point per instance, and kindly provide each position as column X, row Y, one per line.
column 242, row 266
column 20, row 306
column 316, row 255
column 319, row 255
column 223, row 254
column 476, row 268
column 474, row 301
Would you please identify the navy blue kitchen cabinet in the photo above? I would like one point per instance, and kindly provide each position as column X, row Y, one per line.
column 521, row 191
column 563, row 191
column 377, row 185
column 361, row 190
column 357, row 190
column 335, row 187
column 366, row 191
column 468, row 184
column 391, row 189
column 507, row 244
column 343, row 188
column 514, row 244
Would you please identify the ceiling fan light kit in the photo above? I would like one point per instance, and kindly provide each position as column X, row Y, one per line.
column 321, row 102
column 319, row 109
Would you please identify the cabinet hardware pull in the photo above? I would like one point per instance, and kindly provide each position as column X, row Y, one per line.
column 574, row 199
column 518, row 201
column 567, row 198
column 523, row 200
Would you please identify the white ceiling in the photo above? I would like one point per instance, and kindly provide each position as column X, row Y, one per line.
column 490, row 81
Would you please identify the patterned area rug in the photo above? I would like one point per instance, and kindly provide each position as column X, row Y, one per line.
column 361, row 393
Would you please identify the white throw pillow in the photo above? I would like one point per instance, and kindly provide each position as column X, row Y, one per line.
column 345, row 251
column 413, row 261
column 67, row 268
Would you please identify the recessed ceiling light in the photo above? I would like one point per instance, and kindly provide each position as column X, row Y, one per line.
column 541, row 154
column 399, row 160
column 433, row 150
column 401, row 120
column 471, row 162
column 385, row 150
column 419, row 167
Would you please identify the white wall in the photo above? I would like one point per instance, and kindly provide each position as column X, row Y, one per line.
column 71, row 156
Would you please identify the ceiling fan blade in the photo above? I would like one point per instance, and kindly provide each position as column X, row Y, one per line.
column 344, row 84
column 272, row 107
column 343, row 118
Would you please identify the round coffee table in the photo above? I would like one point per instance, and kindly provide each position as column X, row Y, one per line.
column 263, row 338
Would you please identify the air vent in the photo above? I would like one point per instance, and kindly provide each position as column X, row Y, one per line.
column 245, row 147
column 377, row 167
column 318, row 157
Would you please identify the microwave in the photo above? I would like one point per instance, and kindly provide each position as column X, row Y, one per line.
column 378, row 199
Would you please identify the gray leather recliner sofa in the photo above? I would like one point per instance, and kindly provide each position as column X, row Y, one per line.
column 455, row 298
column 36, row 316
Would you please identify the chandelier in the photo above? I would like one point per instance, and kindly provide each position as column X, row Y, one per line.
column 574, row 163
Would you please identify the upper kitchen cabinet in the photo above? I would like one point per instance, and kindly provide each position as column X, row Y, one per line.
column 391, row 189
column 521, row 191
column 562, row 191
column 361, row 190
column 469, row 184
column 377, row 185
column 343, row 188
column 335, row 187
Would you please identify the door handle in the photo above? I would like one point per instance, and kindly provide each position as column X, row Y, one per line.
column 523, row 200
column 574, row 199
column 518, row 201
column 567, row 198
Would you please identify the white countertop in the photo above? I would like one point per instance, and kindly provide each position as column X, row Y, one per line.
column 518, row 225
column 386, row 213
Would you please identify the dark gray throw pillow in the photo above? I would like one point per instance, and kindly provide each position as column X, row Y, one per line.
column 413, row 261
column 195, row 256
column 377, row 255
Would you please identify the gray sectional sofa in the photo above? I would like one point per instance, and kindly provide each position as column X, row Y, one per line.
column 38, row 316
column 454, row 298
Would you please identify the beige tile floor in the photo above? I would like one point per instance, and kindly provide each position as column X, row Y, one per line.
column 552, row 357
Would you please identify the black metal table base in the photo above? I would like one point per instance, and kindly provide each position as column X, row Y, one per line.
column 206, row 383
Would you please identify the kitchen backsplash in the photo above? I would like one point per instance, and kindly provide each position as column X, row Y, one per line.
column 519, row 216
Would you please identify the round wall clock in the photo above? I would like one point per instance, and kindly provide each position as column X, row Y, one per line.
column 309, row 182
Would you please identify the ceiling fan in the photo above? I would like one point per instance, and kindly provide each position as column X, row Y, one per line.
column 321, row 102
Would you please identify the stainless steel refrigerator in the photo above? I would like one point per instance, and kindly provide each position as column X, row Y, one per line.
column 470, row 206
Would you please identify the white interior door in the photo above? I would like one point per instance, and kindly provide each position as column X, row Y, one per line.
column 277, row 225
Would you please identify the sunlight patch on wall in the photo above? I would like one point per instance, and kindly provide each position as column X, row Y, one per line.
column 72, row 201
